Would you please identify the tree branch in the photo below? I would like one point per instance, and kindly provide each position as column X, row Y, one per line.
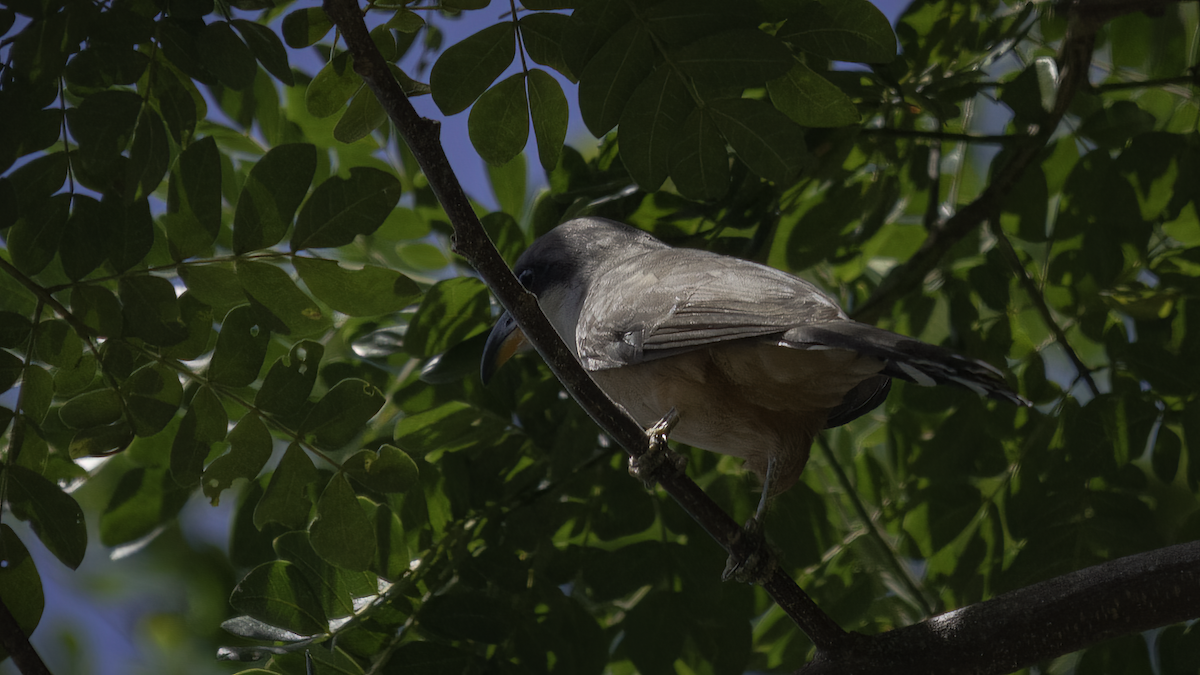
column 471, row 242
column 1085, row 17
column 1049, row 619
column 17, row 644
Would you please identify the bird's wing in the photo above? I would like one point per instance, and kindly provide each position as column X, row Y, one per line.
column 676, row 300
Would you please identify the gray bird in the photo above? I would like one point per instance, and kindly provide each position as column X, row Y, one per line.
column 755, row 360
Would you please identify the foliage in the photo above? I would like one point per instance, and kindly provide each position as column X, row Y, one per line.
column 221, row 272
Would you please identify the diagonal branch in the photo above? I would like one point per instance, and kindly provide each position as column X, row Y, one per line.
column 471, row 242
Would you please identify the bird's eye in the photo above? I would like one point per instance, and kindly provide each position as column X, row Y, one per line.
column 525, row 277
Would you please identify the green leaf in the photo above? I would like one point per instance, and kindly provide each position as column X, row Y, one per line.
column 14, row 330
column 34, row 239
column 810, row 100
column 198, row 318
column 271, row 194
column 364, row 115
column 305, row 27
column 508, row 183
column 465, row 70
column 651, row 125
column 175, row 103
column 98, row 309
column 499, row 121
column 1113, row 126
column 505, row 234
column 194, row 200
column 241, row 348
column 841, row 30
column 451, row 427
column 249, row 449
column 342, row 413
column 204, row 423
column 84, row 242
column 214, row 284
column 590, row 26
column 743, row 57
column 102, row 125
column 342, row 208
column 149, row 156
column 341, row 533
column 333, row 85
column 56, row 343
column 452, row 311
column 102, row 440
column 391, row 549
column 152, row 395
column 11, row 368
column 130, row 232
column 278, row 594
column 37, row 390
column 285, row 389
column 94, row 408
column 225, row 55
column 70, row 381
column 41, row 177
column 611, row 77
column 143, row 499
column 541, row 34
column 54, row 515
column 369, row 291
column 336, row 588
column 287, row 500
column 267, row 48
column 20, row 584
column 287, row 309
column 764, row 138
column 150, row 310
column 699, row 164
column 386, row 470
column 550, row 112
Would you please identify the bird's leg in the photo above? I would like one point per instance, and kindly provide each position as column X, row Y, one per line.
column 649, row 467
column 750, row 559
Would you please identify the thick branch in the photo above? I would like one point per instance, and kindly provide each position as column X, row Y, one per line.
column 1049, row 619
column 471, row 242
column 1075, row 56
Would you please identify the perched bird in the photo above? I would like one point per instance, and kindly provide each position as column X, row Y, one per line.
column 756, row 361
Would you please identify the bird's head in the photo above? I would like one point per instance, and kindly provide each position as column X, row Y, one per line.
column 558, row 268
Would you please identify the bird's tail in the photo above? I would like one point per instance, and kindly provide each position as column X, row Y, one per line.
column 906, row 358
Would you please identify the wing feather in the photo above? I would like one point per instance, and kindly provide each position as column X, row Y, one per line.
column 675, row 300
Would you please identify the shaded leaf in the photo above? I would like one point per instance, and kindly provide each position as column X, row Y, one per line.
column 333, row 85
column 341, row 532
column 277, row 594
column 386, row 470
column 285, row 389
column 452, row 311
column 842, row 30
column 249, row 449
column 204, row 423
column 767, row 141
column 464, row 71
column 281, row 304
column 342, row 412
column 267, row 48
column 20, row 583
column 225, row 55
column 305, row 27
column 499, row 121
column 699, row 164
column 743, row 57
column 241, row 348
column 271, row 194
column 612, row 76
column 810, row 100
column 364, row 115
column 369, row 291
column 651, row 125
column 54, row 515
column 343, row 208
column 287, row 499
column 550, row 113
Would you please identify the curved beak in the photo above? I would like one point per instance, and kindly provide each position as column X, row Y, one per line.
column 505, row 340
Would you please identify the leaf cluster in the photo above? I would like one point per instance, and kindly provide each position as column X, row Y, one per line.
column 265, row 304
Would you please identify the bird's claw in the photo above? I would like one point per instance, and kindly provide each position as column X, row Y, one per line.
column 751, row 559
column 649, row 467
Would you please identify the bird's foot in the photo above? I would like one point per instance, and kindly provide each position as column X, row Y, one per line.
column 658, row 459
column 751, row 559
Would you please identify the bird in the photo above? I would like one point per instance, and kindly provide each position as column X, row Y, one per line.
column 755, row 361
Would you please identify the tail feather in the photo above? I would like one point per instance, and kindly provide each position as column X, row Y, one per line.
column 906, row 358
